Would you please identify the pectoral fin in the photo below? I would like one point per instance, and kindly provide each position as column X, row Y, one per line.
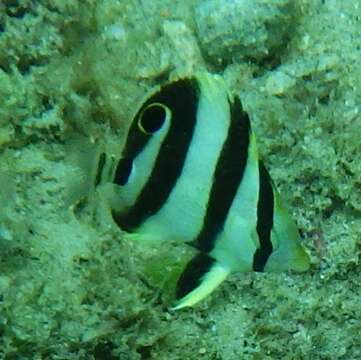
column 200, row 277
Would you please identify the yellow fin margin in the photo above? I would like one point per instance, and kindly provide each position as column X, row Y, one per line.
column 209, row 282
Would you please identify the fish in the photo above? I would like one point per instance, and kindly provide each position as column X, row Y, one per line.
column 190, row 172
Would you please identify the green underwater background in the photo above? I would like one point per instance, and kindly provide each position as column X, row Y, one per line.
column 72, row 76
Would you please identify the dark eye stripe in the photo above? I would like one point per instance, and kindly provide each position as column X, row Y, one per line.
column 181, row 97
column 123, row 171
column 227, row 177
column 136, row 139
column 265, row 210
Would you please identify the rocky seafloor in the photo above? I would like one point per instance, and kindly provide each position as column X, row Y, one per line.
column 72, row 76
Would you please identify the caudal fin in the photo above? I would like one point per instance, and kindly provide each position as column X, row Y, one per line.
column 200, row 277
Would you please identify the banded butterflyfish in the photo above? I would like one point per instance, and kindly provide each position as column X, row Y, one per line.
column 190, row 172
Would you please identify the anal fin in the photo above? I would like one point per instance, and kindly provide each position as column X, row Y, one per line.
column 200, row 277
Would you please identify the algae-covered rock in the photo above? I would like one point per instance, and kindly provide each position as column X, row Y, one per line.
column 230, row 31
column 72, row 75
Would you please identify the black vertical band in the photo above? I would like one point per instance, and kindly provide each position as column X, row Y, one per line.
column 181, row 97
column 228, row 175
column 265, row 209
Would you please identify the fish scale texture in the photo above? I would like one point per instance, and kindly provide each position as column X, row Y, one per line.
column 72, row 76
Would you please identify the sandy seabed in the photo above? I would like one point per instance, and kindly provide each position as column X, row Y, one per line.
column 72, row 76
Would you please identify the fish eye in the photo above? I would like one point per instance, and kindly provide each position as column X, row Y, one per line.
column 153, row 117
